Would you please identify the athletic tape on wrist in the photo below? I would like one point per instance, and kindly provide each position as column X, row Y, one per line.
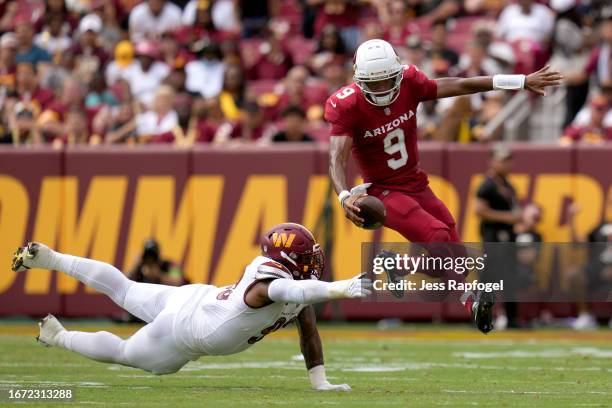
column 508, row 82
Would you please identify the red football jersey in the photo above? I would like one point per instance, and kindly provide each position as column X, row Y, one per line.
column 384, row 137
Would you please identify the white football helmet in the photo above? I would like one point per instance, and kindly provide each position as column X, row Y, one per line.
column 376, row 60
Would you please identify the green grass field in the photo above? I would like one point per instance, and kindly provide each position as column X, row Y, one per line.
column 416, row 366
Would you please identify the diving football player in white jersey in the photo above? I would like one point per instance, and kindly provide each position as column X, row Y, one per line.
column 185, row 323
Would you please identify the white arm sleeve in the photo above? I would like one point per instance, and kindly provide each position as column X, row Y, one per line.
column 299, row 292
column 306, row 292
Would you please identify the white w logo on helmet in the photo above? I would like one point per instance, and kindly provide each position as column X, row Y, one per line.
column 376, row 61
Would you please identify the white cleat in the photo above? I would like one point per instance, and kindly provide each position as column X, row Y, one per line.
column 33, row 255
column 50, row 329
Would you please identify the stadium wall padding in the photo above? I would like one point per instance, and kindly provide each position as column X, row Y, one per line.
column 207, row 207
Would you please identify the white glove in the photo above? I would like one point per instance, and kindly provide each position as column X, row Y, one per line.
column 318, row 381
column 356, row 287
column 361, row 189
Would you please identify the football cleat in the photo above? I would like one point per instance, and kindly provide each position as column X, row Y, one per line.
column 392, row 275
column 482, row 311
column 50, row 329
column 33, row 255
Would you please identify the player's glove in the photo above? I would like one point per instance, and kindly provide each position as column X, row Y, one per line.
column 356, row 287
column 361, row 189
column 318, row 381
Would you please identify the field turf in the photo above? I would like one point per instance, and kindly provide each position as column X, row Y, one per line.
column 415, row 366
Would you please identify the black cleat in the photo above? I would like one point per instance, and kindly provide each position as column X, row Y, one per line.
column 392, row 275
column 482, row 311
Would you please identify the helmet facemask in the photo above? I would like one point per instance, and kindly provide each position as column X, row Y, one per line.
column 306, row 266
column 384, row 97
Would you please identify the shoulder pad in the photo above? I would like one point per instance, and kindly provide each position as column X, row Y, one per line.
column 272, row 270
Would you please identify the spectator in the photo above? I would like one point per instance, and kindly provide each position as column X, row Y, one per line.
column 396, row 20
column 497, row 206
column 293, row 93
column 372, row 31
column 209, row 66
column 596, row 131
column 230, row 49
column 148, row 74
column 251, row 128
column 294, row 119
column 336, row 76
column 52, row 39
column 159, row 124
column 416, row 54
column 330, row 50
column 342, row 14
column 56, row 9
column 117, row 124
column 111, row 13
column 90, row 55
column 199, row 23
column 98, row 95
column 222, row 14
column 599, row 65
column 52, row 121
column 570, row 55
column 526, row 20
column 254, row 15
column 206, row 121
column 8, row 48
column 476, row 55
column 583, row 118
column 232, row 96
column 171, row 51
column 124, row 65
column 27, row 51
column 439, row 48
column 274, row 60
column 76, row 130
column 151, row 18
column 28, row 91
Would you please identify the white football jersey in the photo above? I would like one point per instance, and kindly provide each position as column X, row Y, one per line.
column 217, row 321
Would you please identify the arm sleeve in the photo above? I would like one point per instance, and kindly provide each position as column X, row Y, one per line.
column 298, row 292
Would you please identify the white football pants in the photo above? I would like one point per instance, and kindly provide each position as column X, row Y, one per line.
column 153, row 347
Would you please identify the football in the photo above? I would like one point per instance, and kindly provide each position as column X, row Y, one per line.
column 372, row 211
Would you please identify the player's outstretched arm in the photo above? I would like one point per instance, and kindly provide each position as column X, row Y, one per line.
column 312, row 349
column 305, row 292
column 534, row 82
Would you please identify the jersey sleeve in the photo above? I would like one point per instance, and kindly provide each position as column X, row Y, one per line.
column 272, row 270
column 421, row 86
column 337, row 114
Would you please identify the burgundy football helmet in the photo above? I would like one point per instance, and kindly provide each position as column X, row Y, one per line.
column 296, row 248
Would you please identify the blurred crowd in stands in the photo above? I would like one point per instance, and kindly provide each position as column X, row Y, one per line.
column 186, row 72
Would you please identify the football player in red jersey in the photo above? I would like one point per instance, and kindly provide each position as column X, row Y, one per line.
column 375, row 118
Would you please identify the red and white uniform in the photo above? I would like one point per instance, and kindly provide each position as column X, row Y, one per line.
column 385, row 148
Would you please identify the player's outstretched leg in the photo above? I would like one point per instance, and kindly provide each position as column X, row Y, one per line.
column 143, row 300
column 152, row 348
